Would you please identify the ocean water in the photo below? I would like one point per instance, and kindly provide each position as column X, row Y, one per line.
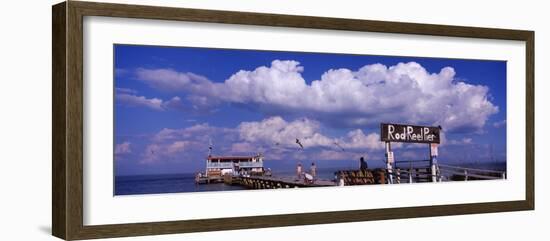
column 165, row 183
column 177, row 183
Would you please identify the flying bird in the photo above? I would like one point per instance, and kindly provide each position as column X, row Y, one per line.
column 299, row 143
column 209, row 146
column 338, row 145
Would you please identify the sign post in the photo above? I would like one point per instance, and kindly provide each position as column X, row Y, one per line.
column 433, row 161
column 412, row 134
column 389, row 162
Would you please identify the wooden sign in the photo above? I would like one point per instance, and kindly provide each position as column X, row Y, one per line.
column 409, row 133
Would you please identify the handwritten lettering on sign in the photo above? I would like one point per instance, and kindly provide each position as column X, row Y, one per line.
column 409, row 133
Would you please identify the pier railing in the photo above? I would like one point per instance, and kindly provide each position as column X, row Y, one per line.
column 251, row 164
column 219, row 165
column 420, row 171
column 464, row 173
column 412, row 175
column 263, row 182
column 412, row 171
column 231, row 164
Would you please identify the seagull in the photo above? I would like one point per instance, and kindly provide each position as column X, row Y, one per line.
column 338, row 145
column 299, row 143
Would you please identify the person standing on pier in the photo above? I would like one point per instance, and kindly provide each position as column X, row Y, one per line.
column 197, row 178
column 364, row 165
column 313, row 171
column 299, row 171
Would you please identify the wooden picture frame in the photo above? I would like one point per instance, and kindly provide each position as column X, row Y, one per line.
column 67, row 124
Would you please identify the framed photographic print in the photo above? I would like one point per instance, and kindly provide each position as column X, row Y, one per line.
column 171, row 120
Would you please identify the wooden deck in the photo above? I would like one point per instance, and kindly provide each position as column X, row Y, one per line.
column 264, row 182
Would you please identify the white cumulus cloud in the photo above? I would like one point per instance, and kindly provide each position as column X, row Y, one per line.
column 375, row 93
column 123, row 148
column 129, row 97
column 134, row 100
column 277, row 131
column 157, row 152
column 499, row 124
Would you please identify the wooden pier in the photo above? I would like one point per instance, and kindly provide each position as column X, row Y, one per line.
column 208, row 180
column 265, row 182
column 400, row 174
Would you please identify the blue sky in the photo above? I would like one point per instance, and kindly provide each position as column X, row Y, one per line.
column 171, row 101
